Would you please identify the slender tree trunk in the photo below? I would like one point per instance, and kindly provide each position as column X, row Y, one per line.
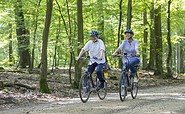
column 129, row 14
column 145, row 41
column 22, row 36
column 159, row 53
column 151, row 65
column 178, row 48
column 120, row 30
column 101, row 19
column 120, row 20
column 181, row 59
column 56, row 46
column 11, row 58
column 78, row 65
column 34, row 36
column 169, row 58
column 72, row 55
column 43, row 80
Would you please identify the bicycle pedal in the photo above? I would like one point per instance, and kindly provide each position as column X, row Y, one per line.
column 129, row 89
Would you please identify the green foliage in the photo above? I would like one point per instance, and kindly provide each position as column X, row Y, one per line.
column 91, row 17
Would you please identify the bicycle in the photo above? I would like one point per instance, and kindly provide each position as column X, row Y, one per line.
column 127, row 82
column 87, row 85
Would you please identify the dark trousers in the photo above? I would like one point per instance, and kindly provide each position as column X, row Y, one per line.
column 99, row 70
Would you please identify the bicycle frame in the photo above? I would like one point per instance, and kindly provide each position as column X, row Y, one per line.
column 126, row 81
column 89, row 86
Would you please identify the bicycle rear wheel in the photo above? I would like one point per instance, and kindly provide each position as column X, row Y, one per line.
column 134, row 88
column 122, row 87
column 84, row 88
column 102, row 92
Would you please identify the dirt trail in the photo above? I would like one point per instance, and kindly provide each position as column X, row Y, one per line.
column 156, row 100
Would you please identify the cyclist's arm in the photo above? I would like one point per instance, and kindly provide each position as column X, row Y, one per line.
column 81, row 53
column 118, row 49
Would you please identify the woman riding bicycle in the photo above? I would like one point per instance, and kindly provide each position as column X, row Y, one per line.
column 131, row 47
column 96, row 49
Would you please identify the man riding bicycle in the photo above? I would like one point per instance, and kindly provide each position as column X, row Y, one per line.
column 130, row 46
column 96, row 49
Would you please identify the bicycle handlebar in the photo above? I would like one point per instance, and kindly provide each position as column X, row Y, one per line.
column 87, row 58
column 125, row 55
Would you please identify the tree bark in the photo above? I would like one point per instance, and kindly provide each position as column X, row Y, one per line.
column 34, row 36
column 158, row 33
column 145, row 35
column 43, row 80
column 129, row 14
column 151, row 65
column 78, row 65
column 120, row 20
column 169, row 58
column 11, row 58
column 101, row 19
column 22, row 36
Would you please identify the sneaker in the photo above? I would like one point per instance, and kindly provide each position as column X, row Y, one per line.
column 85, row 89
column 101, row 86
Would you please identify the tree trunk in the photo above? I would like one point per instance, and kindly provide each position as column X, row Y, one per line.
column 145, row 35
column 120, row 20
column 151, row 65
column 22, row 36
column 43, row 80
column 120, row 30
column 11, row 58
column 129, row 14
column 181, row 59
column 56, row 46
column 159, row 53
column 101, row 19
column 34, row 36
column 78, row 65
column 169, row 58
column 72, row 57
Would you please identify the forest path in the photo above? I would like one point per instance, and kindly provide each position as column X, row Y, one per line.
column 154, row 100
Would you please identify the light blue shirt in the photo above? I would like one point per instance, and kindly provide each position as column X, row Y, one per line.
column 129, row 48
column 94, row 49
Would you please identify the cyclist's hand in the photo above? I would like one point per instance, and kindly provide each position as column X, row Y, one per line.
column 137, row 55
column 114, row 55
column 99, row 58
column 78, row 58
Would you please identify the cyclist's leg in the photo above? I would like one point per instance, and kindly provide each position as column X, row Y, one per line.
column 90, row 69
column 132, row 62
column 99, row 72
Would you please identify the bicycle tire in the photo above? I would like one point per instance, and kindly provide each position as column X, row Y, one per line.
column 84, row 89
column 102, row 92
column 122, row 88
column 134, row 88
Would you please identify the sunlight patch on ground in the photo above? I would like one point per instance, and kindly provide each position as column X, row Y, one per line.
column 163, row 96
column 112, row 107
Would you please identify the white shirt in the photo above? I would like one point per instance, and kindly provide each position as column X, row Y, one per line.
column 94, row 49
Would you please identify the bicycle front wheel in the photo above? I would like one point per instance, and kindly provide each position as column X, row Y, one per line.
column 134, row 88
column 84, row 88
column 122, row 87
column 102, row 92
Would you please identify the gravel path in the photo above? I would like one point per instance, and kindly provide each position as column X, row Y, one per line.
column 156, row 100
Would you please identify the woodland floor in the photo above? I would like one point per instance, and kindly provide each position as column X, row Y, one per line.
column 14, row 94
